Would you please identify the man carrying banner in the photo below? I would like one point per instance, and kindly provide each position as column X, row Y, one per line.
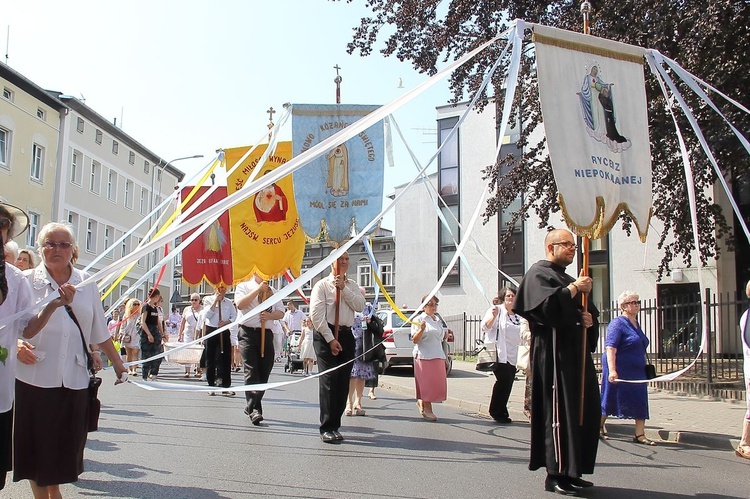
column 219, row 313
column 550, row 300
column 334, row 346
column 256, row 340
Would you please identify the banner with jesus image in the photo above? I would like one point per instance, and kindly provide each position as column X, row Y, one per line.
column 593, row 99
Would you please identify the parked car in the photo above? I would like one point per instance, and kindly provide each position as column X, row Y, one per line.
column 398, row 345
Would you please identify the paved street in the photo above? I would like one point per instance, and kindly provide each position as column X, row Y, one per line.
column 183, row 445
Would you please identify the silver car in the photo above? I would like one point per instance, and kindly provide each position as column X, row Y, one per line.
column 398, row 345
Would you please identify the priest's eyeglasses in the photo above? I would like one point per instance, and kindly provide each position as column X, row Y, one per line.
column 567, row 245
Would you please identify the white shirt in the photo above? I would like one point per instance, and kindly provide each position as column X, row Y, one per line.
column 244, row 289
column 19, row 298
column 504, row 332
column 193, row 321
column 293, row 320
column 745, row 347
column 430, row 345
column 59, row 349
column 173, row 323
column 228, row 312
column 323, row 305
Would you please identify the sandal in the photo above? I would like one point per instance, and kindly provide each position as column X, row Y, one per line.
column 641, row 439
column 419, row 405
column 358, row 411
column 740, row 452
column 603, row 433
column 348, row 412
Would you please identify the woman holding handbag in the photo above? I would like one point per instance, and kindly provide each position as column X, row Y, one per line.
column 502, row 328
column 48, row 450
column 625, row 359
column 430, row 376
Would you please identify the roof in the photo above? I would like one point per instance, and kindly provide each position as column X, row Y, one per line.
column 30, row 87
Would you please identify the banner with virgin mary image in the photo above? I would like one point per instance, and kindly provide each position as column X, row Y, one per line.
column 266, row 235
column 593, row 99
column 342, row 189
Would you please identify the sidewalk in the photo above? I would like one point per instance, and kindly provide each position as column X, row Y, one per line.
column 674, row 419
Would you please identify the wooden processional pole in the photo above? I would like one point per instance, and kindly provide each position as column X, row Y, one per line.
column 337, row 81
column 585, row 10
column 263, row 297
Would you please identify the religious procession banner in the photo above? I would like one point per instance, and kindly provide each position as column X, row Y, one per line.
column 593, row 98
column 343, row 188
column 266, row 234
column 209, row 256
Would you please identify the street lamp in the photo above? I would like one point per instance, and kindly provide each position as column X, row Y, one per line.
column 151, row 200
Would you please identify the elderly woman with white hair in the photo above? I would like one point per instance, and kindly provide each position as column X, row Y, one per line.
column 51, row 408
column 625, row 359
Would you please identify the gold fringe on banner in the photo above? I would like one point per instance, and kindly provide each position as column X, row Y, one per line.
column 587, row 48
column 599, row 227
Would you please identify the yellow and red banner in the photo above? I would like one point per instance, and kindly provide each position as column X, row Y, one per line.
column 265, row 229
column 209, row 257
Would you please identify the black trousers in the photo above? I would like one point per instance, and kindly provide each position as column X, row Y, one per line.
column 218, row 358
column 504, row 376
column 333, row 388
column 257, row 368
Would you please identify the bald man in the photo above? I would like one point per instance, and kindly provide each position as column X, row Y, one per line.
column 550, row 300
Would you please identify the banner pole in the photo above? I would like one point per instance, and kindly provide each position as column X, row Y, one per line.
column 338, row 300
column 584, row 342
column 263, row 297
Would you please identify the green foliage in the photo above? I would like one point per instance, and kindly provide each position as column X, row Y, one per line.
column 705, row 38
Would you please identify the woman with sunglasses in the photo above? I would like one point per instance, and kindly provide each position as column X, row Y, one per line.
column 51, row 420
column 430, row 376
column 192, row 321
column 625, row 359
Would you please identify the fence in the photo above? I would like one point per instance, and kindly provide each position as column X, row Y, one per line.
column 673, row 326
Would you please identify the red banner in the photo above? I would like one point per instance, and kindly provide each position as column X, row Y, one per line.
column 209, row 257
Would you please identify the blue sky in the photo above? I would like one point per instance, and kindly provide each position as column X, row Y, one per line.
column 187, row 77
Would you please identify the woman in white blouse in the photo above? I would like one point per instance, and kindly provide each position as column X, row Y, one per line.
column 51, row 420
column 501, row 326
column 192, row 322
column 430, row 375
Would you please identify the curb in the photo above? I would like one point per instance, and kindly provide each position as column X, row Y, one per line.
column 622, row 429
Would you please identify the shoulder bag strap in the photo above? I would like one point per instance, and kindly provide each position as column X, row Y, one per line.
column 89, row 360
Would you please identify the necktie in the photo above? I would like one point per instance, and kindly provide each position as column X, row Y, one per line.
column 3, row 281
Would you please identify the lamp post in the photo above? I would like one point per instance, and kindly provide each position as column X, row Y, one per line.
column 151, row 200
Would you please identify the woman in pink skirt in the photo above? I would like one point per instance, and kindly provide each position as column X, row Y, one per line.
column 430, row 376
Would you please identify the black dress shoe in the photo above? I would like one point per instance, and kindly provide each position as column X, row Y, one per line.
column 256, row 418
column 503, row 420
column 339, row 436
column 559, row 485
column 328, row 437
column 579, row 483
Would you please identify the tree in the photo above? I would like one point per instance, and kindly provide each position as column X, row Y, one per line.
column 706, row 38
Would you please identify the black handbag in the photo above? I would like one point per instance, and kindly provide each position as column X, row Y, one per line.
column 95, row 406
column 373, row 336
column 650, row 371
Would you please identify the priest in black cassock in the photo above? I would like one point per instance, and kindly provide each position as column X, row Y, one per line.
column 550, row 300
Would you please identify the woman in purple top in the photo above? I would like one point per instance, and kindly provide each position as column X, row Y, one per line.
column 625, row 359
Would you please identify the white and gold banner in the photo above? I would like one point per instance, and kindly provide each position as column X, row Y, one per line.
column 593, row 98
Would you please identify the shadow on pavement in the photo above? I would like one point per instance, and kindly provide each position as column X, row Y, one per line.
column 143, row 489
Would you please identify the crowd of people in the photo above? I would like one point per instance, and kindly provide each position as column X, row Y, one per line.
column 545, row 330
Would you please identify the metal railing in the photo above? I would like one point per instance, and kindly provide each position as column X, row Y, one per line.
column 673, row 326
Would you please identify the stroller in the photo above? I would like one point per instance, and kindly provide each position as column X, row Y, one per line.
column 293, row 360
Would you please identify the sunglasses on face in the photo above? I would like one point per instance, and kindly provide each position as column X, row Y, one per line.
column 52, row 245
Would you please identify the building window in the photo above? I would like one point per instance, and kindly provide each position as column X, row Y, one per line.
column 146, row 167
column 35, row 221
column 158, row 175
column 75, row 168
column 79, row 125
column 4, row 147
column 599, row 272
column 91, row 227
column 308, row 284
column 510, row 260
column 98, row 138
column 131, row 158
column 112, row 185
column 115, row 147
column 449, row 188
column 177, row 286
column 7, row 94
column 385, row 247
column 129, row 194
column 95, row 178
column 142, row 203
column 386, row 274
column 73, row 221
column 108, row 233
column 41, row 114
column 37, row 162
column 363, row 274
column 178, row 258
column 125, row 247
